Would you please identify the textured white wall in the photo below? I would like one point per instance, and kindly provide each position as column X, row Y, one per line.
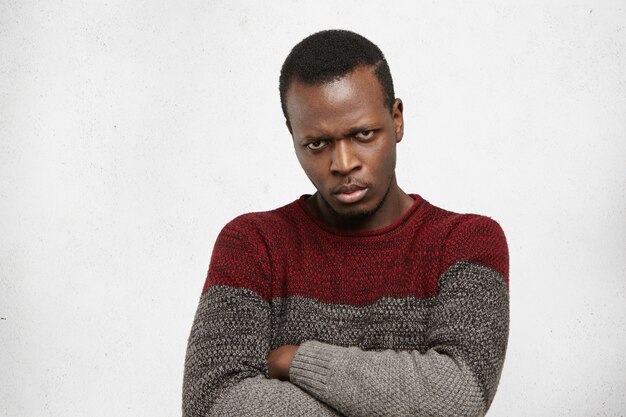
column 131, row 132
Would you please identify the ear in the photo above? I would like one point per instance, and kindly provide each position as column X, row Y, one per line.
column 398, row 119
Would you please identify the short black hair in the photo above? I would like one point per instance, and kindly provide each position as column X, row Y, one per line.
column 328, row 56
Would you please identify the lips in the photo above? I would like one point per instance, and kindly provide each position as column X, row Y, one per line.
column 350, row 194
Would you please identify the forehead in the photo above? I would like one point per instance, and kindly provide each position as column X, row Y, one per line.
column 354, row 99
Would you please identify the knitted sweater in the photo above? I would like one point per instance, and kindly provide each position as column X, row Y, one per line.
column 408, row 320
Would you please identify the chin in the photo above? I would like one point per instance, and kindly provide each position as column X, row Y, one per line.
column 357, row 215
column 357, row 212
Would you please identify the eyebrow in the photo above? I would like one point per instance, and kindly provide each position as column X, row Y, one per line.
column 349, row 133
column 359, row 129
column 309, row 138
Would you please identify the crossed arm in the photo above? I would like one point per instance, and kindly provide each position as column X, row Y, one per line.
column 230, row 369
column 226, row 364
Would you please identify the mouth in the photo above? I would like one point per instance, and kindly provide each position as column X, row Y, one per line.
column 350, row 194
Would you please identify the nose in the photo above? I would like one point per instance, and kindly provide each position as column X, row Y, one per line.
column 345, row 158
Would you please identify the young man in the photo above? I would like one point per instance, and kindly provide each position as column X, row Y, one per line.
column 360, row 300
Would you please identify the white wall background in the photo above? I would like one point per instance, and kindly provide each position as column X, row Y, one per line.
column 131, row 132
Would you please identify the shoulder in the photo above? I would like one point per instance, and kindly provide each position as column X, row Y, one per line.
column 475, row 229
column 264, row 223
column 449, row 224
column 240, row 255
column 480, row 240
column 470, row 238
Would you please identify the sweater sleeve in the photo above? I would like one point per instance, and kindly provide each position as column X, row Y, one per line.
column 458, row 371
column 226, row 361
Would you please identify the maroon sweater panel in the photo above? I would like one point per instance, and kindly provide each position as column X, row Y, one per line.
column 286, row 252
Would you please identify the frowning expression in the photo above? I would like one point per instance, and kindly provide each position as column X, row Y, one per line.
column 345, row 139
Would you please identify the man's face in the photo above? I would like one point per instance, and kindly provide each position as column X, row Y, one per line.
column 345, row 140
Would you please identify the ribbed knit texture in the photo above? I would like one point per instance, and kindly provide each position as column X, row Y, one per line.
column 407, row 320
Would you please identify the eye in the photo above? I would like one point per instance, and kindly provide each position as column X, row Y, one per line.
column 318, row 144
column 365, row 135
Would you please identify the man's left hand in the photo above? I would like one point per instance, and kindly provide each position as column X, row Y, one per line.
column 279, row 361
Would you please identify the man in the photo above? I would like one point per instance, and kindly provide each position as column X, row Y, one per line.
column 360, row 300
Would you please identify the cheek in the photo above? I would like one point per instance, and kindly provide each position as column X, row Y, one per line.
column 391, row 159
column 303, row 160
column 312, row 168
column 383, row 159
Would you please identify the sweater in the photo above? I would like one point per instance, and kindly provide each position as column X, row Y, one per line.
column 408, row 320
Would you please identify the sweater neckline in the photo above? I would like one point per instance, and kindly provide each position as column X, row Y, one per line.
column 316, row 223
